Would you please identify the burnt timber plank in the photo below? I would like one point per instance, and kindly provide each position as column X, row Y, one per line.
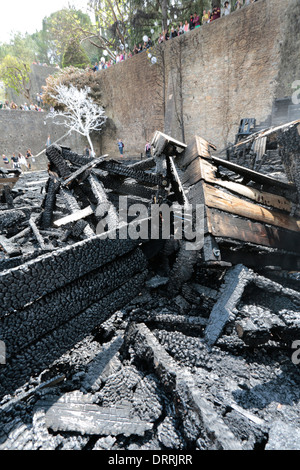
column 218, row 199
column 93, row 419
column 208, row 172
column 251, row 175
column 193, row 173
column 222, row 224
column 82, row 169
column 199, row 148
column 165, row 140
column 129, row 172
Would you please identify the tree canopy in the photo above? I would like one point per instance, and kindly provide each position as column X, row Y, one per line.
column 69, row 37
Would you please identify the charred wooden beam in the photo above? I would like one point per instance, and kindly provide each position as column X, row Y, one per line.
column 75, row 158
column 54, row 154
column 77, row 413
column 78, row 174
column 74, row 207
column 129, row 172
column 49, row 202
column 37, row 234
column 71, row 262
column 58, row 307
column 181, row 385
column 235, row 282
column 50, row 347
column 103, row 204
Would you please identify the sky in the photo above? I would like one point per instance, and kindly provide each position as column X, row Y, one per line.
column 27, row 16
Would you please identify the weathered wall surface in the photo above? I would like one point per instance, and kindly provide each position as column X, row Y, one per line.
column 208, row 80
column 230, row 69
column 235, row 68
column 131, row 93
column 21, row 130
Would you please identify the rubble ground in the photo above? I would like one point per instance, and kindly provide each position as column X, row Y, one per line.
column 135, row 365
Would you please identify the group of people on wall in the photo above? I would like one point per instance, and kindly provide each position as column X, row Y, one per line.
column 38, row 106
column 194, row 22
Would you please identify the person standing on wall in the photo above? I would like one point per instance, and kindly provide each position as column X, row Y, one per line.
column 121, row 147
column 148, row 149
column 28, row 155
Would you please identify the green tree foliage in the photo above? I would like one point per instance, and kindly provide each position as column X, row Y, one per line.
column 74, row 56
column 15, row 74
column 64, row 28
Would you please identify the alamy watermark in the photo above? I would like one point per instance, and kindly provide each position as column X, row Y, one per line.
column 154, row 222
column 296, row 354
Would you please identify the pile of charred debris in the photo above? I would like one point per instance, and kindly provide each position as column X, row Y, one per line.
column 142, row 343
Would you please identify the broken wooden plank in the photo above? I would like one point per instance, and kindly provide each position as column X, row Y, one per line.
column 222, row 224
column 163, row 140
column 208, row 172
column 199, row 148
column 236, row 279
column 37, row 234
column 82, row 169
column 218, row 199
column 251, row 175
column 81, row 214
column 74, row 207
column 10, row 248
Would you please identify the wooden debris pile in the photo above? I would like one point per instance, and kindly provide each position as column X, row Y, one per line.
column 149, row 343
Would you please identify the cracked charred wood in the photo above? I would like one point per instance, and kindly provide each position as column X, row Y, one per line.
column 129, row 172
column 198, row 416
column 75, row 158
column 74, row 207
column 54, row 154
column 187, row 324
column 76, row 412
column 82, row 173
column 182, row 269
column 236, row 279
column 103, row 204
column 50, row 347
column 50, row 271
column 12, row 217
column 27, row 325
